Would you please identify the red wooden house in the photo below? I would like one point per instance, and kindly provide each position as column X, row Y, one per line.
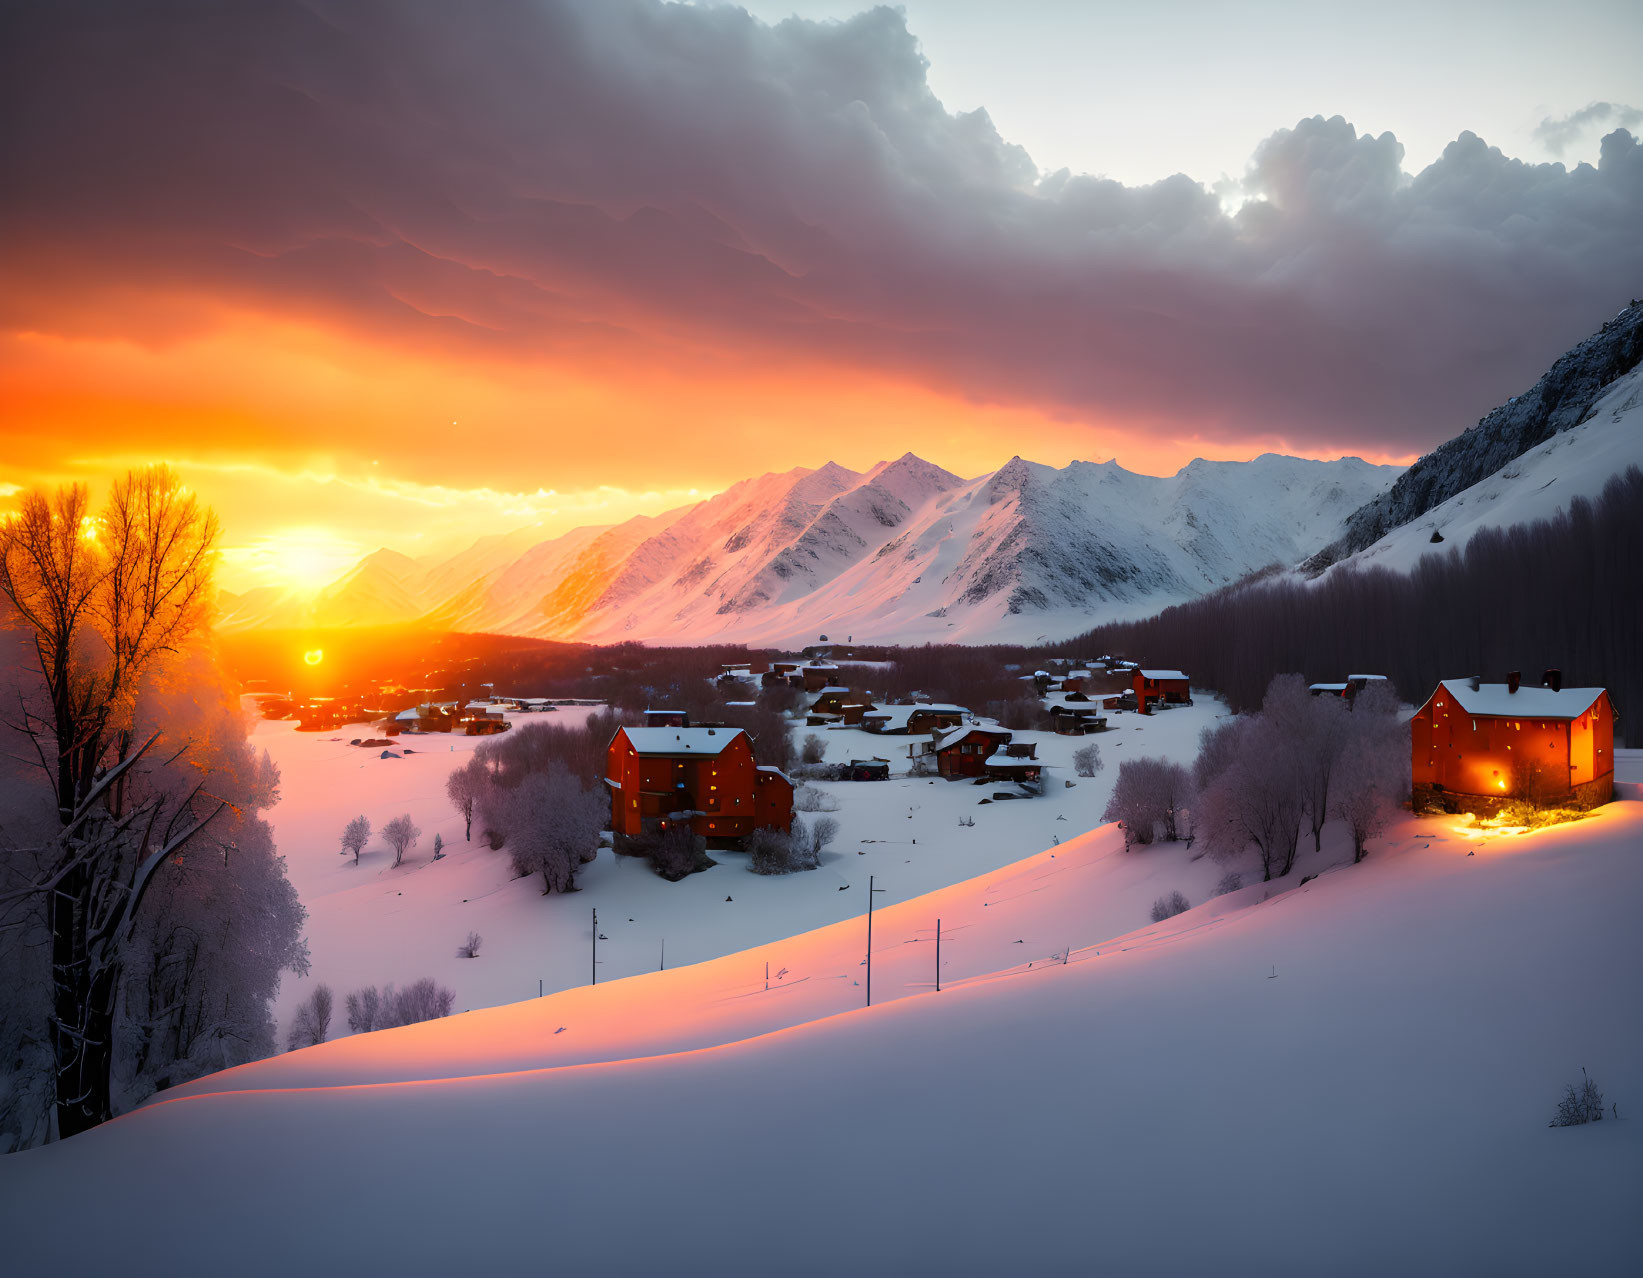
column 1153, row 686
column 1475, row 745
column 702, row 775
column 964, row 751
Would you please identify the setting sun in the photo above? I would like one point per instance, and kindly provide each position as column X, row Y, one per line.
column 314, row 656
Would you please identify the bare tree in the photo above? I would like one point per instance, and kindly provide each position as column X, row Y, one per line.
column 1167, row 907
column 470, row 947
column 466, row 787
column 1373, row 775
column 355, row 835
column 312, row 1020
column 1319, row 727
column 1087, row 760
column 401, row 835
column 106, row 601
column 814, row 749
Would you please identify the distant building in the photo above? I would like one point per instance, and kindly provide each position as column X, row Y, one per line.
column 1475, row 745
column 913, row 720
column 1014, row 761
column 1077, row 721
column 867, row 770
column 1152, row 687
column 705, row 776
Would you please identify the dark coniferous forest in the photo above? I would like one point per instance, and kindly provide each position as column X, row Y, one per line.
column 1565, row 592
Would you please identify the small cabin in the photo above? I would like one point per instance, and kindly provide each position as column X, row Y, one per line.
column 1474, row 745
column 1014, row 761
column 867, row 770
column 1077, row 721
column 1160, row 687
column 963, row 752
column 912, row 720
column 831, row 702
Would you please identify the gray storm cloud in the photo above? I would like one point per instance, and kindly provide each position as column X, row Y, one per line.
column 568, row 177
column 1558, row 134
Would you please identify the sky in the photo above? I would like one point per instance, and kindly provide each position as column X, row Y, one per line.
column 405, row 273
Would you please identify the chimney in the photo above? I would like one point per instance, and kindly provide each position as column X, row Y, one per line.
column 1513, row 678
column 1475, row 680
column 1552, row 679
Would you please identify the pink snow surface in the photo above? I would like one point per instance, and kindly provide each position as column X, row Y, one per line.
column 1348, row 1077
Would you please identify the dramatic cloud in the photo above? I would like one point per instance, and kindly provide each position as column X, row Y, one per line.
column 627, row 189
column 1558, row 135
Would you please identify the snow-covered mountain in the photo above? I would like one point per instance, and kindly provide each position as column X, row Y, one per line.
column 1573, row 463
column 905, row 552
column 1570, row 394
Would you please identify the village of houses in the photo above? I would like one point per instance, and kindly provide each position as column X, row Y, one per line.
column 925, row 795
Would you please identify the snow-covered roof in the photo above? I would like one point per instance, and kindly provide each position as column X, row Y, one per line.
column 1326, row 687
column 833, row 688
column 1162, row 674
column 1078, row 674
column 897, row 716
column 405, row 716
column 775, row 771
column 477, row 705
column 1495, row 700
column 1354, row 678
column 1002, row 760
column 959, row 734
column 695, row 741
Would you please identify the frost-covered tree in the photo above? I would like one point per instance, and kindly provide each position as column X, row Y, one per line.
column 1218, row 748
column 467, row 787
column 1256, row 801
column 355, row 835
column 401, row 835
column 1087, row 760
column 1320, row 728
column 365, row 1011
column 551, row 825
column 814, row 749
column 1167, row 907
column 312, row 1021
column 372, row 1009
column 439, row 846
column 823, row 830
column 1149, row 794
column 470, row 947
column 1373, row 775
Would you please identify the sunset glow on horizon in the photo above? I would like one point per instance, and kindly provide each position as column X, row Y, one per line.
column 385, row 334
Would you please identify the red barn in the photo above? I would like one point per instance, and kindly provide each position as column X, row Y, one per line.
column 964, row 751
column 1474, row 745
column 1152, row 686
column 704, row 775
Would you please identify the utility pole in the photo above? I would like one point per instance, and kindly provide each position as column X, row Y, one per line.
column 871, row 893
column 662, row 965
column 593, row 965
column 938, row 956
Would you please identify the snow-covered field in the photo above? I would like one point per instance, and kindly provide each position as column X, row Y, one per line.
column 372, row 924
column 1351, row 1076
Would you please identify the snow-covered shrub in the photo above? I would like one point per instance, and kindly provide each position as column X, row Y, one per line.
column 1087, row 760
column 806, row 799
column 1167, row 907
column 814, row 749
column 470, row 947
column 1583, row 1104
column 312, row 1021
column 799, row 849
column 677, row 851
column 439, row 846
column 1231, row 881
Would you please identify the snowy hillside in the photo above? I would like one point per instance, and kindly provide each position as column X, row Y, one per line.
column 905, row 552
column 1347, row 1077
column 1574, row 463
column 1562, row 400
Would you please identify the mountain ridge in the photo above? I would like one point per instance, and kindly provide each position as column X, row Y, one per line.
column 904, row 551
